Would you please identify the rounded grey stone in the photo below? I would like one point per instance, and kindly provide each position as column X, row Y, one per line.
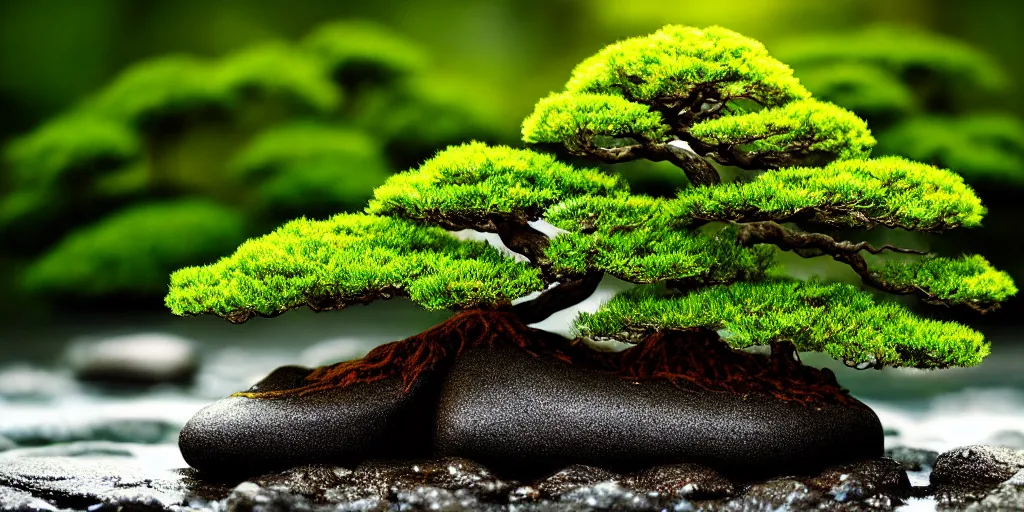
column 244, row 436
column 137, row 359
column 522, row 416
column 977, row 466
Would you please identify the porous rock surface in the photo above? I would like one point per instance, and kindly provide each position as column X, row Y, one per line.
column 244, row 436
column 912, row 459
column 97, row 480
column 575, row 415
column 479, row 409
column 111, row 483
column 979, row 477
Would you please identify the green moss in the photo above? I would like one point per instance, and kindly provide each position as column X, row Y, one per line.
column 132, row 251
column 17, row 208
column 586, row 214
column 160, row 88
column 677, row 60
column 474, row 183
column 908, row 52
column 807, row 126
column 967, row 279
column 836, row 319
column 867, row 89
column 350, row 259
column 576, row 119
column 280, row 146
column 650, row 253
column 980, row 147
column 278, row 70
column 364, row 49
column 69, row 148
column 421, row 114
column 890, row 191
column 311, row 168
column 129, row 181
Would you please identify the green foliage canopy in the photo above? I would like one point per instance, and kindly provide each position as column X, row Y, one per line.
column 95, row 256
column 350, row 259
column 836, row 319
column 981, row 146
column 269, row 132
column 713, row 89
column 928, row 97
column 688, row 96
column 312, row 168
column 479, row 187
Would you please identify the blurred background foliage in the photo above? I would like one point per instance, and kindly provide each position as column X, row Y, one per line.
column 139, row 137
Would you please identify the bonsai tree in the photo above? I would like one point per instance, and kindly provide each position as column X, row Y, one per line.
column 99, row 200
column 485, row 385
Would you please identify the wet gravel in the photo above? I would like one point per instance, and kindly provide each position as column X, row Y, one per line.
column 95, row 476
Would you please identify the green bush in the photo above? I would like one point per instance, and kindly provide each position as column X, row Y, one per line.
column 265, row 133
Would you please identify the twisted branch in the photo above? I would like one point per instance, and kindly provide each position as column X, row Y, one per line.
column 809, row 245
column 555, row 299
column 697, row 169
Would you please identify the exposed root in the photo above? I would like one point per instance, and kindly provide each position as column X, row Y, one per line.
column 697, row 360
column 426, row 351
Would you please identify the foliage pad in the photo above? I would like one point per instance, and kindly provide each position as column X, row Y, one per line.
column 836, row 319
column 474, row 185
column 350, row 259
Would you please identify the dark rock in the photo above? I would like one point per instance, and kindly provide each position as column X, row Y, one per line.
column 912, row 459
column 310, row 482
column 861, row 480
column 104, row 483
column 573, row 477
column 608, row 496
column 433, row 498
column 384, row 479
column 690, row 481
column 138, row 359
column 782, row 494
column 977, row 466
column 248, row 436
column 248, row 496
column 576, row 415
column 1008, row 496
column 874, row 484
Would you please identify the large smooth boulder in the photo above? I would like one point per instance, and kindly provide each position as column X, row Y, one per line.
column 244, row 435
column 523, row 416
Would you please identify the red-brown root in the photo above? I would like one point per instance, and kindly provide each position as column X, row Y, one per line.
column 695, row 360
